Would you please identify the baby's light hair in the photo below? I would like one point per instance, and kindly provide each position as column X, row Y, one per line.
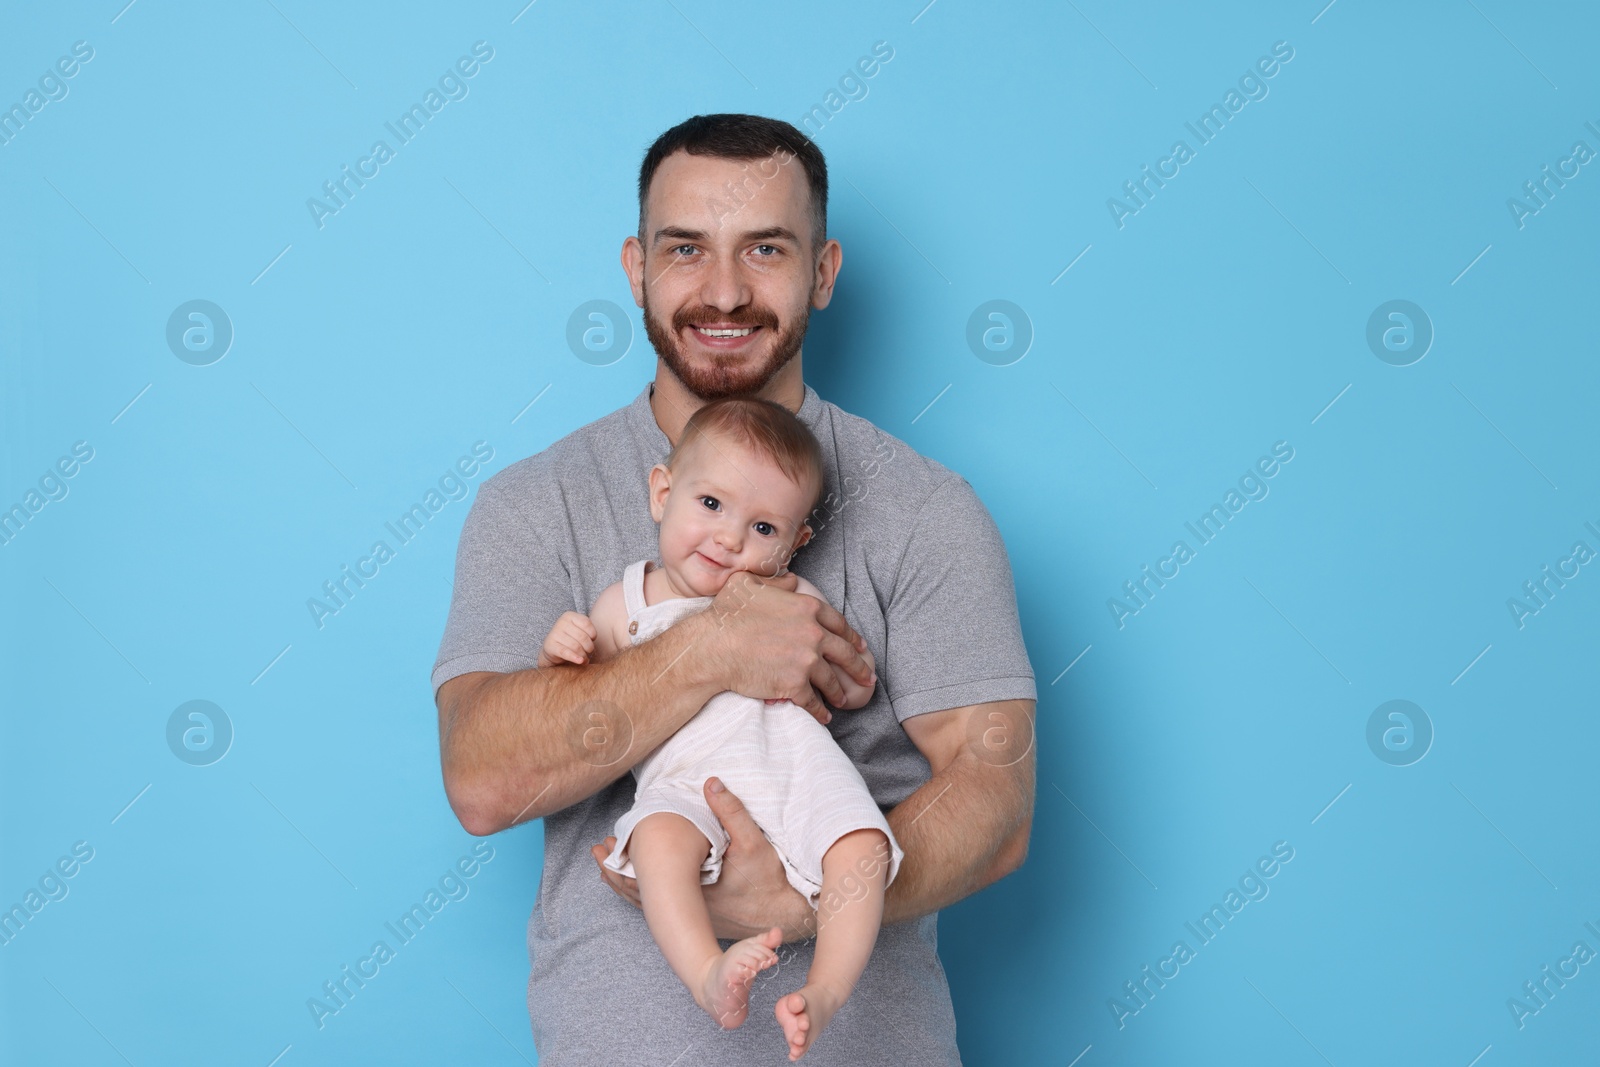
column 769, row 428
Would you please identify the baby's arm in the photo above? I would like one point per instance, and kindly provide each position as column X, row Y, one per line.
column 855, row 694
column 592, row 638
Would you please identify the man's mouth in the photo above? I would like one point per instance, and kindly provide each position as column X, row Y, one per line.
column 720, row 331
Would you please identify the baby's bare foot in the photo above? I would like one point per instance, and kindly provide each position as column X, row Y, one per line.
column 725, row 990
column 804, row 1014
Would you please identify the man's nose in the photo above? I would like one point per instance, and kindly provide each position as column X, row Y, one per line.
column 726, row 286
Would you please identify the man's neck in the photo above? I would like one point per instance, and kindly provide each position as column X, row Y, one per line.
column 673, row 404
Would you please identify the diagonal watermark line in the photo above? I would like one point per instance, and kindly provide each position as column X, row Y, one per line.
column 1469, row 266
column 85, row 1018
column 1071, row 665
column 530, row 404
column 1102, row 433
column 274, row 263
column 1297, row 630
column 1080, row 1056
column 1102, row 833
column 1507, row 440
column 123, row 12
column 931, row 803
column 271, row 665
column 1330, row 404
column 130, row 804
column 1069, row 266
column 530, row 804
column 1508, row 840
column 932, row 402
column 1323, row 12
column 923, row 12
column 681, row 1055
column 496, row 229
column 130, row 404
column 95, row 628
column 486, row 1019
column 1480, row 1055
column 1469, row 666
column 96, row 229
column 1114, row 48
column 523, row 12
column 280, row 1055
column 1292, row 1026
column 314, row 48
column 1330, row 804
column 1297, row 229
column 303, row 437
column 304, row 838
column 897, row 229
column 714, row 48
column 1514, row 47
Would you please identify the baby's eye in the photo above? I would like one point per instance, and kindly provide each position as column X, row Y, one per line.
column 711, row 502
column 766, row 529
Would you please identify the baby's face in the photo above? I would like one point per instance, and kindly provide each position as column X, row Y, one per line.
column 725, row 508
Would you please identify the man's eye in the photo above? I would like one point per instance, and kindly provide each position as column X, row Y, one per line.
column 766, row 529
column 771, row 248
column 682, row 250
column 710, row 502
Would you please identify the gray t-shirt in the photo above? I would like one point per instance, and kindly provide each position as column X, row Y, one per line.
column 904, row 548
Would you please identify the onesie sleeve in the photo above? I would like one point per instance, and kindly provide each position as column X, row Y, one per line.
column 510, row 588
column 953, row 638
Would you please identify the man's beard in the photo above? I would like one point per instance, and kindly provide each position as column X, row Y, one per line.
column 725, row 376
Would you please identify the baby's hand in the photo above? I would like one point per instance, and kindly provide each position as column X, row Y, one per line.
column 571, row 640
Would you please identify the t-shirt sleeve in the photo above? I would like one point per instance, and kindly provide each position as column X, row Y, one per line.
column 509, row 590
column 953, row 637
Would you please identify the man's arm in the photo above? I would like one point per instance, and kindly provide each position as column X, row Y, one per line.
column 967, row 826
column 520, row 745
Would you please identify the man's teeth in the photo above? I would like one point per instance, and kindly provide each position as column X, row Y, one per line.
column 741, row 332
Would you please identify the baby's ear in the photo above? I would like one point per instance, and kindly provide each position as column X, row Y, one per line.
column 660, row 485
column 802, row 538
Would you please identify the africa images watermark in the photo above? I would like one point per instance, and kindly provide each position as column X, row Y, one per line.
column 52, row 88
column 1541, row 191
column 452, row 86
column 454, row 885
column 1253, row 85
column 1252, row 887
column 1252, row 486
column 337, row 592
column 1538, row 592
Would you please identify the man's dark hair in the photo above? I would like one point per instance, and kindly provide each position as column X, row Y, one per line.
column 744, row 137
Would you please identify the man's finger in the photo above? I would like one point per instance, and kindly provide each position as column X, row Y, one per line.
column 827, row 684
column 843, row 652
column 814, row 705
column 829, row 617
column 731, row 812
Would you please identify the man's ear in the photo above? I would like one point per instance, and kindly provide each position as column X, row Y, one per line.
column 660, row 486
column 633, row 266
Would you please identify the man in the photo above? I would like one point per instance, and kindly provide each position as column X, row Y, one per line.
column 730, row 257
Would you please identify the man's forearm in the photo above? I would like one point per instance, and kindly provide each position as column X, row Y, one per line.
column 521, row 745
column 965, row 828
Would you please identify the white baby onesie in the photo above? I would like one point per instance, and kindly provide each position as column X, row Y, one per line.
column 798, row 785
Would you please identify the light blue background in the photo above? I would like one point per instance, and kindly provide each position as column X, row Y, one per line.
column 1228, row 314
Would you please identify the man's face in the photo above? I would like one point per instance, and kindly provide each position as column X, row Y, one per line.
column 726, row 272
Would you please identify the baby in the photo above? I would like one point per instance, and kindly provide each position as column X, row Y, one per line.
column 734, row 495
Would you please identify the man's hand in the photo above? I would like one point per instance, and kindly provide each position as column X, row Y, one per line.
column 752, row 895
column 775, row 644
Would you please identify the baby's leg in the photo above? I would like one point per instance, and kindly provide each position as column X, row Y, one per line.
column 667, row 850
column 855, row 872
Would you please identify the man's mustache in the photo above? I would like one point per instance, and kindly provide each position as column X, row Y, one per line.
column 747, row 316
